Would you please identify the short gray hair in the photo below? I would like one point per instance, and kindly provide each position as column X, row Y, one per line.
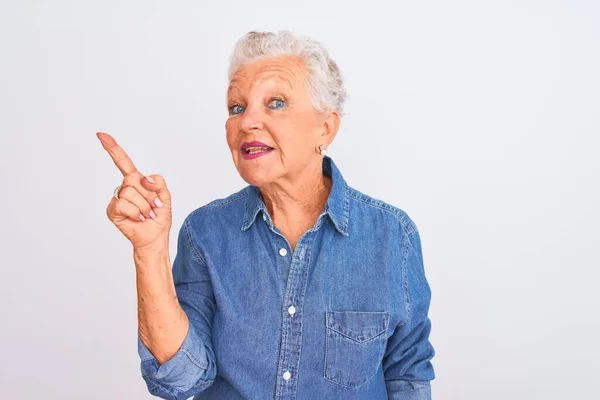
column 324, row 83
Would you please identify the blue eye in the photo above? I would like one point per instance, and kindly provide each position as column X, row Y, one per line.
column 236, row 109
column 277, row 104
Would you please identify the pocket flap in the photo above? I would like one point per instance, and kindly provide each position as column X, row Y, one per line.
column 358, row 325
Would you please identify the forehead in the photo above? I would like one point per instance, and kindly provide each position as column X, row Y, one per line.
column 287, row 71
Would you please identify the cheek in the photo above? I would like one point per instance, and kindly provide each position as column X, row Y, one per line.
column 307, row 130
column 231, row 130
column 293, row 131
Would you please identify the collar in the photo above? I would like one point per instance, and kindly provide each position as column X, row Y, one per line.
column 337, row 203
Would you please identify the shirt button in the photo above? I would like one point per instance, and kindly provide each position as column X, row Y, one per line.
column 287, row 375
column 292, row 310
column 282, row 252
column 264, row 217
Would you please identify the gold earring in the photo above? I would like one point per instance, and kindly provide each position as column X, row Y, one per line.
column 322, row 150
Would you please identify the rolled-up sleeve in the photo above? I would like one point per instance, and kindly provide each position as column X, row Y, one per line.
column 193, row 368
column 407, row 362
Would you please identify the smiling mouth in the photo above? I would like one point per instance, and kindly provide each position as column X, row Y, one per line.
column 253, row 150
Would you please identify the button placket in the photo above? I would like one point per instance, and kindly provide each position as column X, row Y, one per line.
column 291, row 339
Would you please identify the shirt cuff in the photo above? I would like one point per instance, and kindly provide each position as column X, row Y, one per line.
column 399, row 389
column 182, row 371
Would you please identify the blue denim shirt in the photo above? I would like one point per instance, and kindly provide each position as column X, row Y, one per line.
column 343, row 316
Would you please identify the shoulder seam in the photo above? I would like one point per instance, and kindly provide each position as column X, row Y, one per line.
column 212, row 204
column 407, row 225
column 221, row 202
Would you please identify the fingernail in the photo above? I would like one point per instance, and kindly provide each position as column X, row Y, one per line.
column 149, row 178
column 142, row 217
column 158, row 202
column 152, row 214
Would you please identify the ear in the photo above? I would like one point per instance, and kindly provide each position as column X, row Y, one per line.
column 331, row 124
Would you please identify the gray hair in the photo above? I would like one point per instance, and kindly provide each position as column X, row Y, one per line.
column 324, row 82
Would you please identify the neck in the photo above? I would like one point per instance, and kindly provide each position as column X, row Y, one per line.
column 298, row 201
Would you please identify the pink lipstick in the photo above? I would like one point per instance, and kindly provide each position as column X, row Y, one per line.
column 255, row 149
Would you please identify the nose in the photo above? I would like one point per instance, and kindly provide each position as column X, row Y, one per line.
column 252, row 120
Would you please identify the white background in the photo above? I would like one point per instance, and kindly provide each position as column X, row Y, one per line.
column 480, row 119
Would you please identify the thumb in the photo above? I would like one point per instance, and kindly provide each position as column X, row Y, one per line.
column 156, row 183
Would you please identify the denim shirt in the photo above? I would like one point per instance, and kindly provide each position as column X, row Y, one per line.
column 343, row 316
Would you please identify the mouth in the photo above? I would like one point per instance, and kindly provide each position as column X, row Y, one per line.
column 256, row 149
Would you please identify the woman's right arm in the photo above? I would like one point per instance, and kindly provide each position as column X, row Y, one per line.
column 162, row 323
column 191, row 364
column 174, row 340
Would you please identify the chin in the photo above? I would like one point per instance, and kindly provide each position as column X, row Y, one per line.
column 258, row 172
column 254, row 175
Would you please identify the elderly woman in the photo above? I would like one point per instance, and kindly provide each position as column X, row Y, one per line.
column 297, row 286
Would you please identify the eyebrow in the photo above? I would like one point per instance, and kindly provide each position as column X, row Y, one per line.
column 234, row 89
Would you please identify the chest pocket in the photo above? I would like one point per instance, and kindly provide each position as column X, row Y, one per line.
column 354, row 345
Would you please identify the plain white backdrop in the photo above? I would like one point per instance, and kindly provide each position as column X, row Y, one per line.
column 480, row 119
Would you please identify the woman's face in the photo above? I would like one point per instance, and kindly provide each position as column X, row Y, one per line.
column 268, row 102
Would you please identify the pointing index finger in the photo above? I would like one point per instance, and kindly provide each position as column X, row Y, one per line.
column 120, row 158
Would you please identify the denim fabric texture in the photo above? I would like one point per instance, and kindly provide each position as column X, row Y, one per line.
column 343, row 316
